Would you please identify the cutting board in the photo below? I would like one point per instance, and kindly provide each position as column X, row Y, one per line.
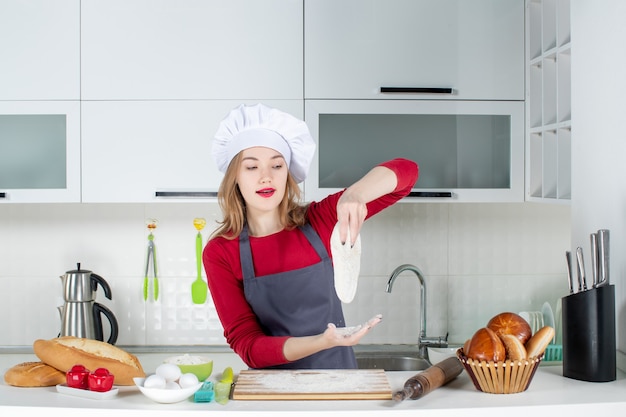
column 312, row 384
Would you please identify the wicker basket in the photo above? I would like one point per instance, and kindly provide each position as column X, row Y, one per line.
column 506, row 377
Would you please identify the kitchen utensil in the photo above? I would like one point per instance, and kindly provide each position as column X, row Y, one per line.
column 80, row 315
column 603, row 257
column 548, row 318
column 199, row 287
column 589, row 339
column 580, row 265
column 570, row 275
column 430, row 379
column 594, row 259
column 151, row 259
column 312, row 384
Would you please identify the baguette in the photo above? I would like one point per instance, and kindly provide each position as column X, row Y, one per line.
column 33, row 374
column 64, row 352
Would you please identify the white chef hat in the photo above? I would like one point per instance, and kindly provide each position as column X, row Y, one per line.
column 258, row 125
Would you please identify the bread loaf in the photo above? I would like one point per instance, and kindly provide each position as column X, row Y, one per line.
column 515, row 350
column 511, row 323
column 485, row 345
column 537, row 344
column 64, row 352
column 33, row 374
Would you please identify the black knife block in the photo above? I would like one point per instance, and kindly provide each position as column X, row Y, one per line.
column 589, row 345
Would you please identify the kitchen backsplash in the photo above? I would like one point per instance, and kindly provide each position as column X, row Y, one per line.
column 478, row 260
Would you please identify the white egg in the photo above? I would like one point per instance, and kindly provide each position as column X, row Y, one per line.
column 172, row 385
column 154, row 381
column 188, row 380
column 168, row 371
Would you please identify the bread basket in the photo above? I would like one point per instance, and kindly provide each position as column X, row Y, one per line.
column 505, row 377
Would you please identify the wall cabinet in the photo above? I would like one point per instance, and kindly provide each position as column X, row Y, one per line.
column 196, row 49
column 467, row 151
column 154, row 151
column 40, row 50
column 548, row 102
column 39, row 151
column 353, row 48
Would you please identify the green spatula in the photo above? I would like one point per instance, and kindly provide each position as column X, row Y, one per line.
column 199, row 287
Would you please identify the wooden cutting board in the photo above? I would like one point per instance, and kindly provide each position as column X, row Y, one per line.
column 312, row 384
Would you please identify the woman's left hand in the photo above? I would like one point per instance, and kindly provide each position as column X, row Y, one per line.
column 350, row 336
column 351, row 213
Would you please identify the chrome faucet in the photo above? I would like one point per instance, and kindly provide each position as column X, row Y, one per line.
column 423, row 341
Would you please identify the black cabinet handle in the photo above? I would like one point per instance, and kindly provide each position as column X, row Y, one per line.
column 3, row 195
column 429, row 194
column 418, row 90
column 186, row 194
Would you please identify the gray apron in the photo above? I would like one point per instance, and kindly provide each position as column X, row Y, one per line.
column 297, row 303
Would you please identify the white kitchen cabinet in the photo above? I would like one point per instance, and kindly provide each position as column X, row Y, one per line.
column 467, row 151
column 154, row 151
column 475, row 49
column 39, row 151
column 548, row 101
column 40, row 50
column 193, row 49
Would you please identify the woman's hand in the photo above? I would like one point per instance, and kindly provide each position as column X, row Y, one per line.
column 350, row 336
column 351, row 213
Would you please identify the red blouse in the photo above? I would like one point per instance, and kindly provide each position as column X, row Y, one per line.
column 282, row 251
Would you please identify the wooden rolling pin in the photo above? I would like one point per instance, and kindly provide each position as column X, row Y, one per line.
column 432, row 378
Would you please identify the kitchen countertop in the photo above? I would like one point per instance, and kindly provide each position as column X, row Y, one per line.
column 549, row 392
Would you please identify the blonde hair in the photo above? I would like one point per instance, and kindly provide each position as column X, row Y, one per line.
column 292, row 213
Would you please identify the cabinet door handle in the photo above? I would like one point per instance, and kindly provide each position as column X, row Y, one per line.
column 185, row 194
column 419, row 90
column 430, row 194
column 3, row 195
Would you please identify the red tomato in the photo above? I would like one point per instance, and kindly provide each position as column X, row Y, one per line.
column 77, row 377
column 101, row 380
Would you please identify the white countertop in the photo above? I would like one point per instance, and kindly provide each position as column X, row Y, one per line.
column 549, row 392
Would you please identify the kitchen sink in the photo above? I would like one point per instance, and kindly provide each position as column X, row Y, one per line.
column 390, row 361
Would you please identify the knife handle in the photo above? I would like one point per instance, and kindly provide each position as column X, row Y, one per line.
column 594, row 259
column 582, row 281
column 570, row 275
column 603, row 257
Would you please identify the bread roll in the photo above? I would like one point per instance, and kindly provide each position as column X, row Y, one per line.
column 515, row 350
column 485, row 345
column 511, row 323
column 67, row 351
column 538, row 343
column 33, row 374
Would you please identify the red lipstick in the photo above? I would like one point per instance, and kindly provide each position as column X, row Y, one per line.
column 266, row 192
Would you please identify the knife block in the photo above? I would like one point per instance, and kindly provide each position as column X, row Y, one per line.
column 589, row 346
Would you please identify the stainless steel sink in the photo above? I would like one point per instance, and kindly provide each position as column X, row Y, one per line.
column 390, row 361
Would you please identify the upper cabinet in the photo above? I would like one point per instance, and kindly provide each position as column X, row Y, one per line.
column 193, row 49
column 548, row 101
column 40, row 50
column 414, row 49
column 39, row 151
column 154, row 151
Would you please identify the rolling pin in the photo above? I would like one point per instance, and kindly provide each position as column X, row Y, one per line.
column 432, row 378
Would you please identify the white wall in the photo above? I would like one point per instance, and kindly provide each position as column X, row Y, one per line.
column 479, row 259
column 599, row 136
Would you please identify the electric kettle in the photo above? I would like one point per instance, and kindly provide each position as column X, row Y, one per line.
column 81, row 316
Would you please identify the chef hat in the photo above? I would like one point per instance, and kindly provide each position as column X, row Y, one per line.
column 258, row 125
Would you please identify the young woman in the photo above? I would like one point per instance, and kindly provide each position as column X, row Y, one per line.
column 269, row 264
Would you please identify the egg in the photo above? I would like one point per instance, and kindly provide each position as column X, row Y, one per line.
column 172, row 385
column 188, row 380
column 154, row 381
column 168, row 371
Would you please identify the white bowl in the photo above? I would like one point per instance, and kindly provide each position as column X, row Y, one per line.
column 166, row 396
column 438, row 354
